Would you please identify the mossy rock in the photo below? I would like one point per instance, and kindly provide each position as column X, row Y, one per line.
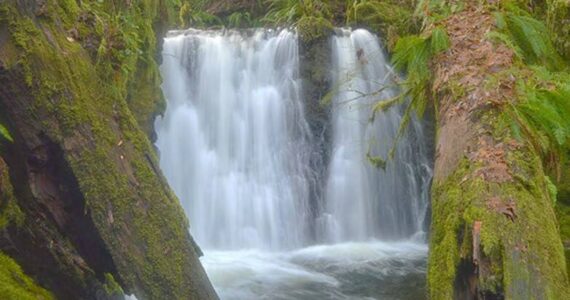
column 83, row 102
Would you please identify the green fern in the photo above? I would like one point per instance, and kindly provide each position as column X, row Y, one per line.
column 195, row 16
column 528, row 37
column 289, row 12
column 439, row 40
column 412, row 55
column 433, row 11
column 542, row 114
column 239, row 19
column 389, row 17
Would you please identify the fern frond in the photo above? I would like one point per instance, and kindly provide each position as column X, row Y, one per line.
column 542, row 115
column 439, row 40
column 505, row 39
column 289, row 12
column 529, row 38
column 412, row 54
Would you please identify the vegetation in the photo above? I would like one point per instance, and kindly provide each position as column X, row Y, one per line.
column 557, row 16
column 412, row 54
column 393, row 19
column 541, row 113
column 528, row 36
column 5, row 134
column 91, row 69
column 10, row 212
column 311, row 17
column 196, row 17
column 525, row 105
column 14, row 284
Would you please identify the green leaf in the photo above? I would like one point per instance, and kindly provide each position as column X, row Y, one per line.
column 439, row 40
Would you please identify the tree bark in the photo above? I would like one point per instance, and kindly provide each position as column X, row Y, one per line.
column 494, row 233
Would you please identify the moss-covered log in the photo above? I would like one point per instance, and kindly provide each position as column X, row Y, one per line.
column 494, row 232
column 96, row 208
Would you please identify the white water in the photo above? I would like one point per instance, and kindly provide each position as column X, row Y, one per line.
column 370, row 270
column 236, row 148
column 362, row 200
column 233, row 137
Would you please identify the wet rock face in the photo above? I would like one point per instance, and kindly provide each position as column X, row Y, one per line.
column 315, row 71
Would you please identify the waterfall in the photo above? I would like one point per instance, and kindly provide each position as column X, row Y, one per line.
column 232, row 141
column 236, row 148
column 364, row 201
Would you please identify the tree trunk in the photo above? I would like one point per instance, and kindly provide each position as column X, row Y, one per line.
column 494, row 232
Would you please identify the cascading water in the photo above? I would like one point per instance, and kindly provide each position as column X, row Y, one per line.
column 236, row 148
column 233, row 138
column 362, row 200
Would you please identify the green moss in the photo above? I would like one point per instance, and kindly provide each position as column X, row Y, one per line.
column 9, row 210
column 112, row 288
column 14, row 284
column 145, row 98
column 524, row 252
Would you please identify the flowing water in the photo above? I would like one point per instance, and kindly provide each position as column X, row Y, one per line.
column 362, row 200
column 236, row 147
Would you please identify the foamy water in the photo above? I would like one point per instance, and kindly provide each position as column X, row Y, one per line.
column 366, row 270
